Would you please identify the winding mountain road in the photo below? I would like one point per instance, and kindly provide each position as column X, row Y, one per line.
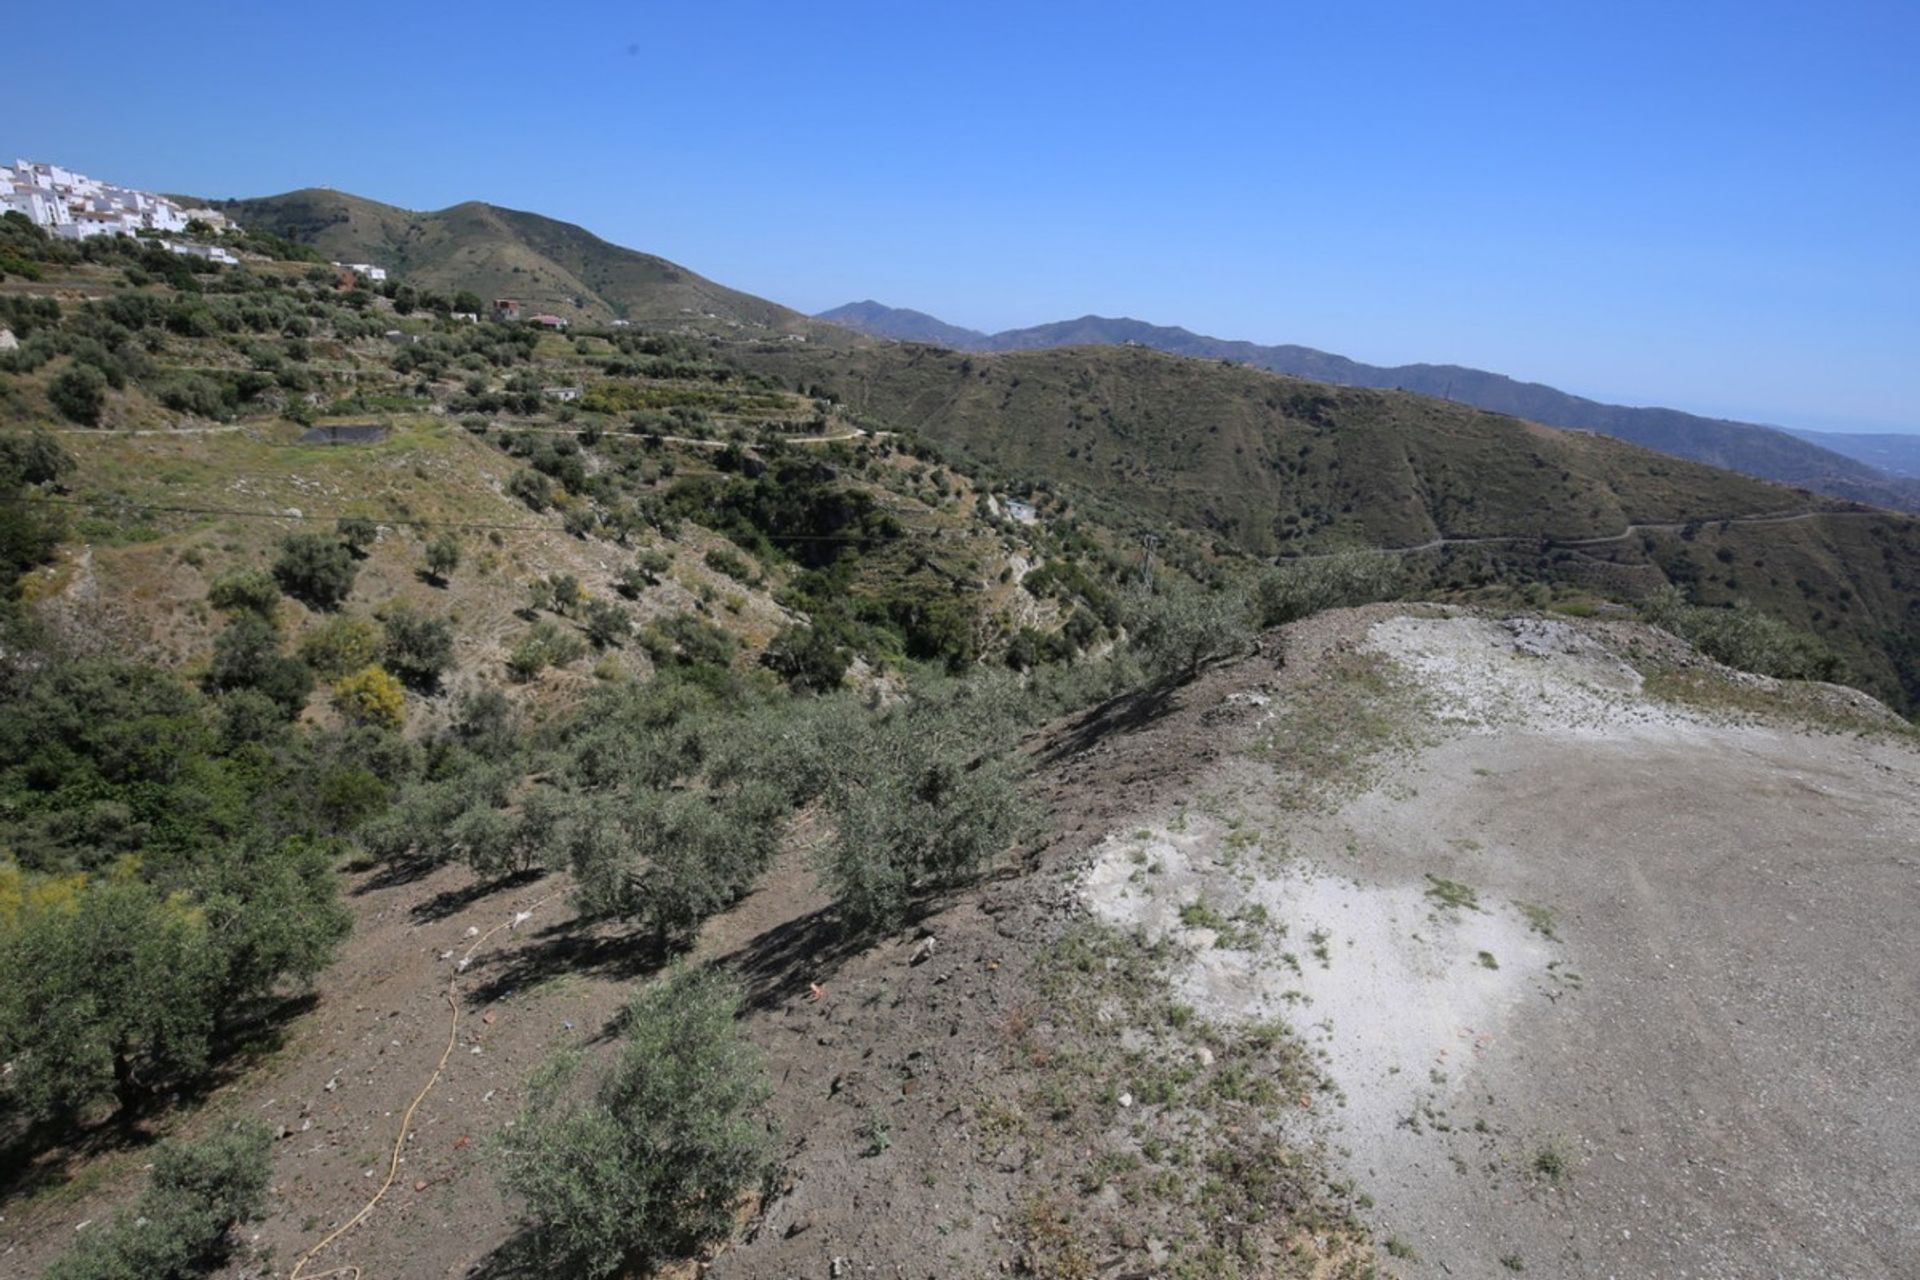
column 1673, row 526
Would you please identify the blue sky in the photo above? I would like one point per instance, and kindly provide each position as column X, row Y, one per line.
column 1707, row 205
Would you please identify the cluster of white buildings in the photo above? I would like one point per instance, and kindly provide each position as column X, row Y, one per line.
column 72, row 206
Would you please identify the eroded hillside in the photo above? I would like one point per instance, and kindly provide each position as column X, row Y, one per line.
column 425, row 737
column 1499, row 942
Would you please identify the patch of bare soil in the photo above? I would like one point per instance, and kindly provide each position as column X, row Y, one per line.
column 1609, row 984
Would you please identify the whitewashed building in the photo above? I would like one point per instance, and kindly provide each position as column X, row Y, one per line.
column 211, row 252
column 75, row 207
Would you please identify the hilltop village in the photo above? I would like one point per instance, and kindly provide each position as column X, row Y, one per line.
column 72, row 206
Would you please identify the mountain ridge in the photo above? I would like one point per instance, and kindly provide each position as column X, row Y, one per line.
column 1770, row 453
column 1889, row 451
column 495, row 251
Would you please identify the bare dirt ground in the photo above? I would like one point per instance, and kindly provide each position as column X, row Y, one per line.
column 1442, row 927
column 1610, row 986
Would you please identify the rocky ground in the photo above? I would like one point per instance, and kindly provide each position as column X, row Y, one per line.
column 1610, row 986
column 1508, row 944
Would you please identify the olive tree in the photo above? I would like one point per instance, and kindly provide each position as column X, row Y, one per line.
column 1291, row 591
column 418, row 649
column 668, row 860
column 647, row 1166
column 918, row 805
column 1179, row 627
column 357, row 533
column 181, row 1226
column 315, row 569
column 443, row 557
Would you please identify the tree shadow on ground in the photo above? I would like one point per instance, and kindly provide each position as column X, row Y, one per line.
column 32, row 1160
column 35, row 1158
column 568, row 947
column 453, row 901
column 1127, row 713
column 517, row 1259
column 779, row 963
column 393, row 873
column 783, row 962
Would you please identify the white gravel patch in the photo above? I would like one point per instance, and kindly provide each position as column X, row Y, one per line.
column 1535, row 673
column 1388, row 983
column 1701, row 1021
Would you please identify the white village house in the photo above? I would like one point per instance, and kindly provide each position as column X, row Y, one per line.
column 72, row 206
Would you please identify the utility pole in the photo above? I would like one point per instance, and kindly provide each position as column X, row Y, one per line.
column 1148, row 541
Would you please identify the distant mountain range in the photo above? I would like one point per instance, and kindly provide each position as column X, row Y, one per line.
column 1887, row 450
column 1883, row 470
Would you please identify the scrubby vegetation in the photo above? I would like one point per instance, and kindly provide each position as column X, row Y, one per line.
column 1299, row 589
column 181, row 1226
column 1181, row 626
column 650, row 1164
column 165, row 876
column 1744, row 638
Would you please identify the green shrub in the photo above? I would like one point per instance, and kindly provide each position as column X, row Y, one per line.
column 357, row 532
column 443, row 557
column 245, row 591
column 79, row 393
column 632, row 580
column 687, row 639
column 731, row 563
column 34, row 458
column 649, row 1167
column 807, row 659
column 607, row 623
column 1179, row 627
column 1289, row 592
column 418, row 649
column 315, row 569
column 247, row 656
column 1744, row 638
column 545, row 644
column 180, row 1228
column 195, row 394
column 555, row 593
column 340, row 645
column 531, row 488
column 249, row 716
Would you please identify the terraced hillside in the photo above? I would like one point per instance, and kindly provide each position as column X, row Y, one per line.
column 1281, row 466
